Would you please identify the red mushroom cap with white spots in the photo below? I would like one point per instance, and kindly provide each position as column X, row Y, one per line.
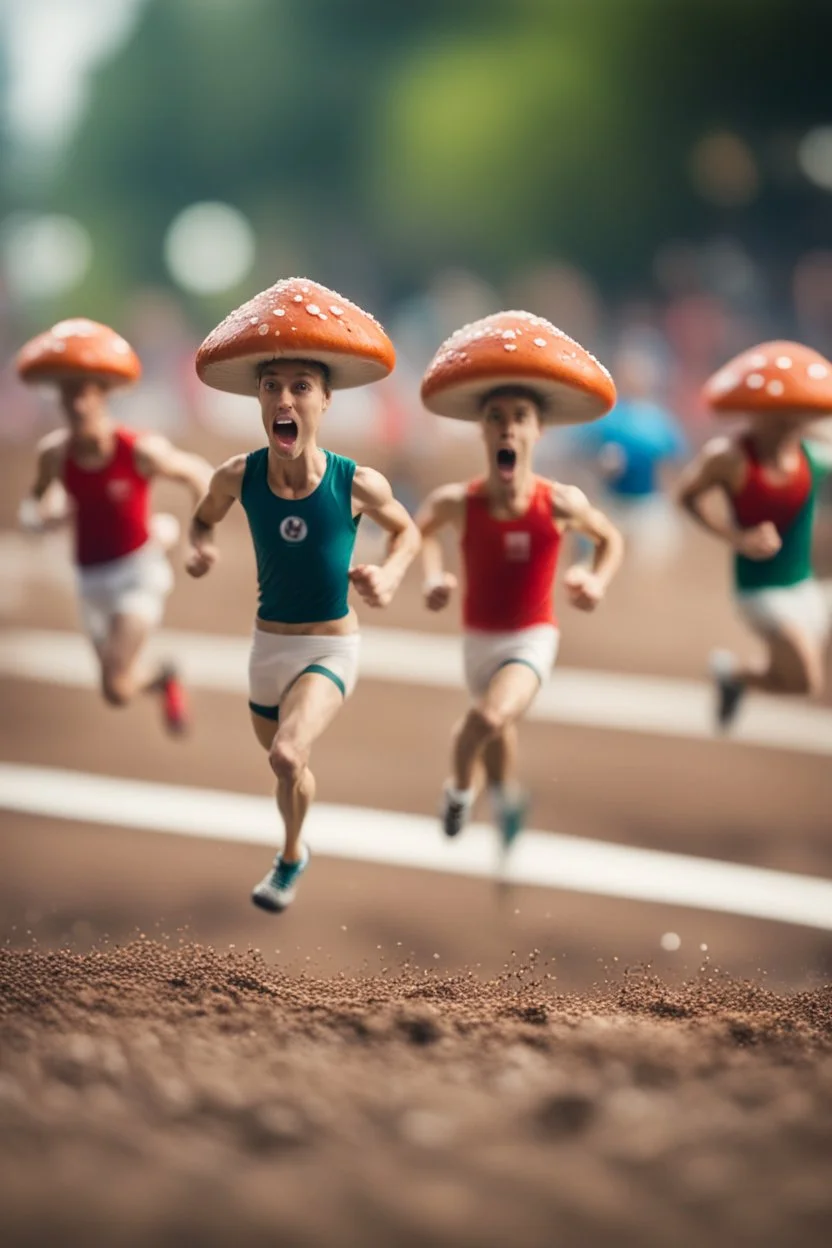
column 75, row 349
column 772, row 377
column 295, row 319
column 517, row 349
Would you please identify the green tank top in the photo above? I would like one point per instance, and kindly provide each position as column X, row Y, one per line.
column 793, row 561
column 303, row 545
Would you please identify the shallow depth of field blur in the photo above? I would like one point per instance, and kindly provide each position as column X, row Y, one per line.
column 653, row 176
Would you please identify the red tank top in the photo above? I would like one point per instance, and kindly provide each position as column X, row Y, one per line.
column 112, row 505
column 509, row 564
column 759, row 499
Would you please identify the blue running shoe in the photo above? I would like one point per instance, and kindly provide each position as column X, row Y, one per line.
column 277, row 890
column 510, row 810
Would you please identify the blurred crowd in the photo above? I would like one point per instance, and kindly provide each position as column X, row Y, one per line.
column 703, row 305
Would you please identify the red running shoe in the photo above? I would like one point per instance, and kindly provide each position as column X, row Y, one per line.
column 175, row 703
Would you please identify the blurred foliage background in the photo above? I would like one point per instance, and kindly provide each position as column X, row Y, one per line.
column 603, row 162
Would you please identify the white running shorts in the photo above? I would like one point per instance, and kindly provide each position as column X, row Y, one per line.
column 802, row 606
column 486, row 653
column 136, row 585
column 276, row 661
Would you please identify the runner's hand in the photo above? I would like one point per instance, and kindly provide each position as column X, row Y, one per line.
column 374, row 585
column 584, row 588
column 201, row 560
column 437, row 592
column 760, row 542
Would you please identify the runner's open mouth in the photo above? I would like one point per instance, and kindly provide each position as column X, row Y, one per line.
column 506, row 459
column 286, row 431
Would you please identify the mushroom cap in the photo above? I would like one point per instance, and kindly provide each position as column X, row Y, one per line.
column 517, row 349
column 295, row 319
column 772, row 377
column 79, row 348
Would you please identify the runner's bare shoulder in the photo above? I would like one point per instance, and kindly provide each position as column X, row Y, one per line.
column 722, row 461
column 51, row 449
column 228, row 477
column 446, row 504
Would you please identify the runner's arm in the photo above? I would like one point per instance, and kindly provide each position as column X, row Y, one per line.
column 587, row 586
column 46, row 506
column 157, row 457
column 372, row 496
column 443, row 507
column 717, row 471
column 223, row 490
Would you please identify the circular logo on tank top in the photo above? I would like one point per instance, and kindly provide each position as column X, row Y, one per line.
column 293, row 529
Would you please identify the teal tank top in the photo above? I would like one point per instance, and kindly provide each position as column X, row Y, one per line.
column 304, row 545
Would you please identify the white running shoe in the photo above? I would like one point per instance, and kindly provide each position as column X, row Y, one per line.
column 277, row 890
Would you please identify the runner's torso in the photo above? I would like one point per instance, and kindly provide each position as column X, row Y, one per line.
column 112, row 504
column 509, row 565
column 303, row 546
column 788, row 503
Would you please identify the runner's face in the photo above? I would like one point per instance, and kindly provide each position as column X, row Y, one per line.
column 84, row 404
column 293, row 397
column 511, row 428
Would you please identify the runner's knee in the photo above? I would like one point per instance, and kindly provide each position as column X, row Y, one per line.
column 287, row 760
column 487, row 721
column 116, row 688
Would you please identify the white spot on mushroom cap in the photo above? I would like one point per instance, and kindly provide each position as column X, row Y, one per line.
column 784, row 361
column 758, row 360
column 540, row 342
column 263, row 329
column 285, row 291
column 775, row 388
column 509, row 346
column 724, row 380
column 313, row 309
column 755, row 381
column 253, row 320
column 494, row 327
column 817, row 371
column 78, row 327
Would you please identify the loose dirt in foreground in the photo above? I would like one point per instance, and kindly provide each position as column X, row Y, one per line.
column 159, row 1095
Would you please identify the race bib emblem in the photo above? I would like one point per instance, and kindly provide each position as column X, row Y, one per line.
column 119, row 489
column 293, row 529
column 518, row 547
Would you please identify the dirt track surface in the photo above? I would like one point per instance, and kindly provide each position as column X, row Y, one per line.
column 327, row 1094
column 219, row 1100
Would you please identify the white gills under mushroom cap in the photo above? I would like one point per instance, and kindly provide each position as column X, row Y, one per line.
column 517, row 349
column 772, row 377
column 78, row 348
column 295, row 319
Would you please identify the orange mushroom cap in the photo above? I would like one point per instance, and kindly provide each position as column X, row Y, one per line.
column 517, row 349
column 772, row 377
column 296, row 319
column 79, row 348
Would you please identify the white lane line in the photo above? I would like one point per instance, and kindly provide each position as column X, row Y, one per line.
column 543, row 859
column 651, row 704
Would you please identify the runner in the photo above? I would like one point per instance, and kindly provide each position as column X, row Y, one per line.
column 629, row 450
column 290, row 346
column 769, row 474
column 96, row 474
column 513, row 373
